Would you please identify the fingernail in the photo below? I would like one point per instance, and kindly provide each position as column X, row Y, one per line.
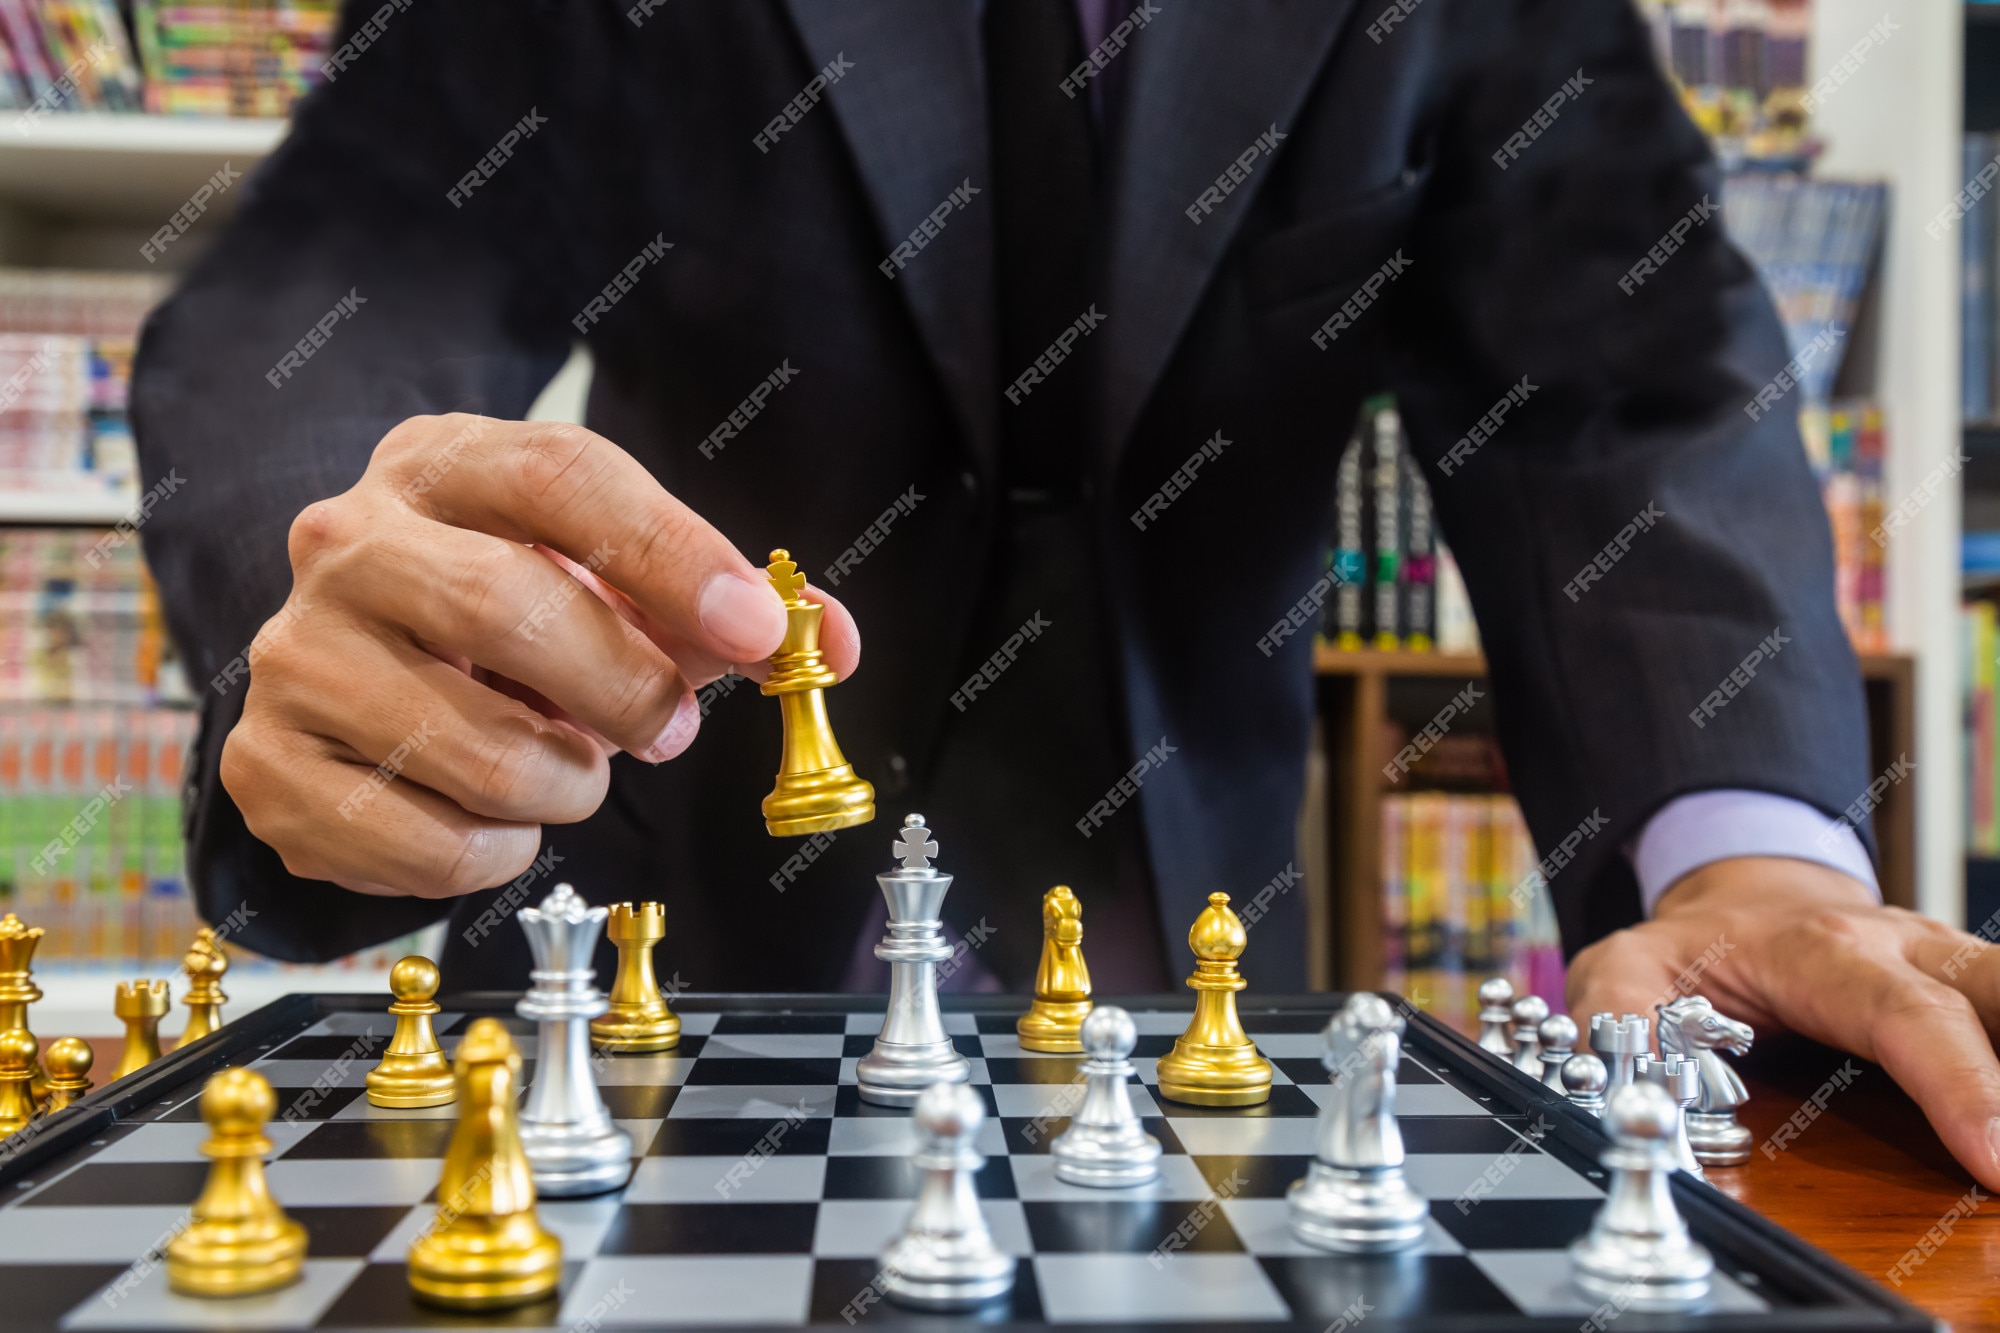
column 747, row 618
column 678, row 734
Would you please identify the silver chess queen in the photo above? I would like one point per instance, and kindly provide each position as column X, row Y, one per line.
column 572, row 1145
column 913, row 1051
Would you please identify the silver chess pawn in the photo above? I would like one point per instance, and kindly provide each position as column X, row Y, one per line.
column 1682, row 1082
column 945, row 1258
column 1637, row 1252
column 913, row 1051
column 1557, row 1037
column 1620, row 1041
column 1496, row 1016
column 1529, row 1011
column 1354, row 1198
column 1105, row 1145
column 572, row 1145
column 1584, row 1079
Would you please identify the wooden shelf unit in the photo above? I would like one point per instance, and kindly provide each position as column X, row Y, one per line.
column 1354, row 704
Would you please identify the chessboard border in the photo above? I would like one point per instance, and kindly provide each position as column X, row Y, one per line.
column 1842, row 1297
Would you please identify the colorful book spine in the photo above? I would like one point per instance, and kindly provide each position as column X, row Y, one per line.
column 1349, row 564
column 1388, row 477
column 1419, row 562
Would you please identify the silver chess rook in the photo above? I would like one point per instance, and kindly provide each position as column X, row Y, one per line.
column 913, row 1051
column 572, row 1145
column 1620, row 1041
column 1354, row 1198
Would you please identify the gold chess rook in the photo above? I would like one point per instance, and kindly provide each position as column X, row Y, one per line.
column 818, row 790
column 1054, row 1022
column 140, row 1005
column 413, row 1070
column 238, row 1240
column 638, row 1019
column 1214, row 1063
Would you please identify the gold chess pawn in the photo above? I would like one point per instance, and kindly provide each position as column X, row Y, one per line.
column 238, row 1240
column 17, row 1059
column 1054, row 1022
column 69, row 1060
column 17, row 988
column 141, row 1005
column 205, row 963
column 818, row 790
column 638, row 1019
column 413, row 1070
column 1214, row 1063
column 487, row 1250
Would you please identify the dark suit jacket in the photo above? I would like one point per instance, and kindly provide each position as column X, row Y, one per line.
column 1389, row 149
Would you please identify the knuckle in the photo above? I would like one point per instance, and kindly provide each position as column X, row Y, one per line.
column 509, row 766
column 646, row 698
column 1830, row 927
column 553, row 457
column 410, row 439
column 482, row 856
column 322, row 526
column 484, row 594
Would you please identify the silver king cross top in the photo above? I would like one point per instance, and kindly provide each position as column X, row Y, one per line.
column 915, row 846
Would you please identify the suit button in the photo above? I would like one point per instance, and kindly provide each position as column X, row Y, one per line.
column 898, row 780
column 970, row 482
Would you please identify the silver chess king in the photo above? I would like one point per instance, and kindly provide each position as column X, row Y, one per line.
column 913, row 1051
column 572, row 1146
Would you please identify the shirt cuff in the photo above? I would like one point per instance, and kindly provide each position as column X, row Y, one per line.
column 1691, row 831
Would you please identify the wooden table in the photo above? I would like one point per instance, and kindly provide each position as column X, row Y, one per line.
column 1865, row 1179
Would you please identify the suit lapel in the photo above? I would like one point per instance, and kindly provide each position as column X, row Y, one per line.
column 913, row 110
column 1207, row 81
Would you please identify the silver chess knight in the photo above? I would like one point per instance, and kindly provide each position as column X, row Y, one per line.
column 1637, row 1252
column 1354, row 1198
column 945, row 1258
column 572, row 1146
column 913, row 1051
column 1691, row 1027
column 1105, row 1144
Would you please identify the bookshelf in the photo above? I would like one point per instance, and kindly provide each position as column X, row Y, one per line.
column 1361, row 692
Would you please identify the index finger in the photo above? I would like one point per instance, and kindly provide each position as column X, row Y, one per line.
column 572, row 490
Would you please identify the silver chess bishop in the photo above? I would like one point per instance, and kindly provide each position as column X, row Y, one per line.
column 945, row 1258
column 572, row 1145
column 1105, row 1145
column 913, row 1051
column 1638, row 1252
column 1354, row 1198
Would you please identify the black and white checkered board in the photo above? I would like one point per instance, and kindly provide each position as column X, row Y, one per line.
column 766, row 1190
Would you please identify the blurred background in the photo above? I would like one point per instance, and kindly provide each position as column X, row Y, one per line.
column 1846, row 129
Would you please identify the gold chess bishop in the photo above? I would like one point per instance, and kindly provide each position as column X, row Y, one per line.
column 1054, row 1022
column 638, row 1019
column 140, row 1005
column 17, row 988
column 818, row 791
column 205, row 963
column 238, row 1240
column 413, row 1070
column 487, row 1249
column 1214, row 1063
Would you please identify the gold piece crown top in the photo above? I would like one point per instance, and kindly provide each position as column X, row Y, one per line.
column 1218, row 935
column 17, row 943
column 785, row 577
column 205, row 955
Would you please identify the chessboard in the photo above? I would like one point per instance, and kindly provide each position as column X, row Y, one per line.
column 767, row 1189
